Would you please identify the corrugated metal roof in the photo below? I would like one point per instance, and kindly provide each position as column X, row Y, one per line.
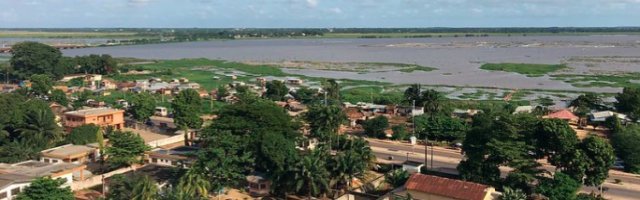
column 445, row 187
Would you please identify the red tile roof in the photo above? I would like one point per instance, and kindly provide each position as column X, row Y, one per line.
column 445, row 187
column 563, row 114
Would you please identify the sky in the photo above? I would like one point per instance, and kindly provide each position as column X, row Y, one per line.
column 316, row 13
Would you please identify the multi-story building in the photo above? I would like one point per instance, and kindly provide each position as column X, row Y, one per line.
column 103, row 117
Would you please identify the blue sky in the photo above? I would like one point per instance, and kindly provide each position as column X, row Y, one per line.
column 317, row 13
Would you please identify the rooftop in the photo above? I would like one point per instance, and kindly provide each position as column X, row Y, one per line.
column 94, row 111
column 68, row 150
column 34, row 169
column 455, row 189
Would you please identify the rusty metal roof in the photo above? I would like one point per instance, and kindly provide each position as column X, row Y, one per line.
column 445, row 187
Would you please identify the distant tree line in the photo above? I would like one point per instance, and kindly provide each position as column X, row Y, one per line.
column 31, row 58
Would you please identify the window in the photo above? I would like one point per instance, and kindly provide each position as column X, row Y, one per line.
column 154, row 160
column 46, row 160
column 74, row 160
column 3, row 195
column 15, row 191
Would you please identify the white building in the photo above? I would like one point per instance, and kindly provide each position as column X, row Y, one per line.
column 15, row 177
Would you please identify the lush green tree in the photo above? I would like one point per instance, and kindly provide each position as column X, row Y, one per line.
column 414, row 93
column 142, row 106
column 59, row 97
column 193, row 185
column 353, row 157
column 81, row 99
column 310, row 174
column 121, row 187
column 497, row 139
column 557, row 140
column 325, row 119
column 332, row 89
column 396, row 178
column 41, row 84
column 432, row 101
column 276, row 90
column 305, row 95
column 46, row 189
column 29, row 58
column 613, row 123
column 399, row 132
column 187, row 109
column 375, row 127
column 513, row 194
column 600, row 158
column 561, row 187
column 40, row 128
column 223, row 158
column 441, row 128
column 16, row 151
column 97, row 64
column 627, row 145
column 145, row 189
column 126, row 148
column 84, row 134
column 76, row 82
column 221, row 92
column 132, row 187
column 628, row 102
column 588, row 101
column 275, row 152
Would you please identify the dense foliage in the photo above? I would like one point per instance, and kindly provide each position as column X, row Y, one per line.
column 126, row 149
column 84, row 134
column 46, row 189
column 187, row 109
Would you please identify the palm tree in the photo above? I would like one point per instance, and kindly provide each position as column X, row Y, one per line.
column 145, row 189
column 332, row 89
column 511, row 194
column 193, row 185
column 432, row 100
column 413, row 94
column 40, row 129
column 310, row 174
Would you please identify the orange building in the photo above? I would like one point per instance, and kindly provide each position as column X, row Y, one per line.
column 102, row 117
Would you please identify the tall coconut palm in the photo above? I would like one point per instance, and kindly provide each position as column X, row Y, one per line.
column 40, row 129
column 310, row 174
column 193, row 185
column 145, row 189
column 432, row 101
column 332, row 89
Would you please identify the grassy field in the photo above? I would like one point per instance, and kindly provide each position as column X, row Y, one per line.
column 531, row 70
column 623, row 80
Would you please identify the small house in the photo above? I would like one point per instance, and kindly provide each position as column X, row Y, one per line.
column 412, row 166
column 259, row 185
column 76, row 154
column 160, row 111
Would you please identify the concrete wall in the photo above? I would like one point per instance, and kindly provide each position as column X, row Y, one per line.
column 166, row 141
column 97, row 179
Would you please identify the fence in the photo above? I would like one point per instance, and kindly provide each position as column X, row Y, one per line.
column 97, row 179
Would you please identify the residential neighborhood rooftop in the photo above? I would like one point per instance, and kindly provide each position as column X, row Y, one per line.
column 67, row 150
column 94, row 111
column 32, row 168
column 455, row 189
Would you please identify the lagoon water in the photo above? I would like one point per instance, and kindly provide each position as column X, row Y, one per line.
column 457, row 59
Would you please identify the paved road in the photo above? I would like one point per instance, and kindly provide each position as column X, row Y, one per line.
column 446, row 160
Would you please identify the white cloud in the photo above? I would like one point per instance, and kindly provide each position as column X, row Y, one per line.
column 312, row 3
